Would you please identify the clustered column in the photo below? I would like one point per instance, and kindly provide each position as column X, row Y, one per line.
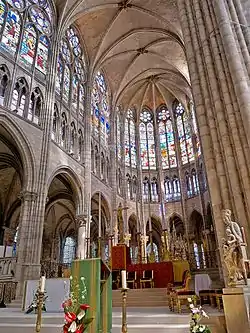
column 222, row 100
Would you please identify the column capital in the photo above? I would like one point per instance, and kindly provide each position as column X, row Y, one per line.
column 28, row 196
column 81, row 220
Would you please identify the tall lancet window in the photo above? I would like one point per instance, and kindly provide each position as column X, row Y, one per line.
column 184, row 134
column 100, row 108
column 129, row 139
column 167, row 142
column 118, row 135
column 147, row 141
column 25, row 30
column 196, row 133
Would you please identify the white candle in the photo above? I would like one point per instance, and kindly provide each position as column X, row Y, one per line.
column 42, row 284
column 124, row 280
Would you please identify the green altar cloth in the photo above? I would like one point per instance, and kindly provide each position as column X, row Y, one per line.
column 92, row 281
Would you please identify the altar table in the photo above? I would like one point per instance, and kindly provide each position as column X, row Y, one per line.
column 163, row 273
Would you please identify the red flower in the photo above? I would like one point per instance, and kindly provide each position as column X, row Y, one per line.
column 66, row 328
column 70, row 316
column 84, row 307
column 79, row 329
column 67, row 303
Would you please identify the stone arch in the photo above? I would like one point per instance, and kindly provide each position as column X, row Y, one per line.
column 176, row 221
column 72, row 178
column 15, row 138
column 196, row 226
column 132, row 227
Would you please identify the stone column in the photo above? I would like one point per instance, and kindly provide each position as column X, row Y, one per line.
column 27, row 268
column 87, row 169
column 81, row 222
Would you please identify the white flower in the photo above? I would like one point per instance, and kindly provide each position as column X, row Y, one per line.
column 81, row 314
column 202, row 328
column 204, row 314
column 72, row 327
column 190, row 299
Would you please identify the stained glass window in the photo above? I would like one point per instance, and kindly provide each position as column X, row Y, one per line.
column 34, row 46
column 11, row 32
column 69, row 250
column 118, row 136
column 28, row 45
column 42, row 54
column 184, row 134
column 129, row 139
column 167, row 142
column 70, row 81
column 100, row 108
column 2, row 12
column 40, row 19
column 147, row 141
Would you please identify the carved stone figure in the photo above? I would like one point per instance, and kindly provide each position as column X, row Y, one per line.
column 232, row 250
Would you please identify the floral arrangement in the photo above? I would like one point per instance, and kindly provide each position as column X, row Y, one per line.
column 75, row 311
column 75, row 321
column 197, row 314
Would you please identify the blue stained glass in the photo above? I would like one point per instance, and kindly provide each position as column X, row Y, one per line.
column 28, row 45
column 42, row 54
column 74, row 42
column 65, row 52
column 41, row 21
column 2, row 12
column 19, row 4
column 11, row 32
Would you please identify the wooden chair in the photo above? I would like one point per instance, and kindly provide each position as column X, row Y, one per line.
column 179, row 296
column 147, row 277
column 116, row 279
column 131, row 279
column 216, row 298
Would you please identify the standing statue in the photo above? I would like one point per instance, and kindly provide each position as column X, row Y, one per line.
column 232, row 250
column 120, row 224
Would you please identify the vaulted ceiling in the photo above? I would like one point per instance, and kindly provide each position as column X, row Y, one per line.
column 137, row 43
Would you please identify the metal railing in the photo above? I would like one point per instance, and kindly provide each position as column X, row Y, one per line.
column 54, row 269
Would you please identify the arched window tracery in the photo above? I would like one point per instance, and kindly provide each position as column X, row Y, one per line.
column 147, row 140
column 63, row 130
column 19, row 97
column 118, row 135
column 167, row 141
column 69, row 250
column 184, row 134
column 35, row 107
column 129, row 186
column 71, row 77
column 100, row 108
column 129, row 139
column 4, row 82
column 146, row 187
column 154, row 190
column 72, row 138
column 31, row 21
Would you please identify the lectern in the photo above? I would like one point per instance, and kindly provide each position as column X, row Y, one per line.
column 91, row 279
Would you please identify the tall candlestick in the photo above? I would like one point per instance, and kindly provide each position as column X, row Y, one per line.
column 124, row 280
column 42, row 285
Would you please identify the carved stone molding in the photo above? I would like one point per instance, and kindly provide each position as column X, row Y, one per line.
column 27, row 196
column 81, row 221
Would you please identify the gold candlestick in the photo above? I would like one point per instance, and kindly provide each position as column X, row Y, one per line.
column 124, row 292
column 39, row 311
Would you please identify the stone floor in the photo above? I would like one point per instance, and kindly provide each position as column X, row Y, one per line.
column 157, row 320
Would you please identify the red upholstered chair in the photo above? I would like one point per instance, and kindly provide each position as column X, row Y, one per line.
column 179, row 296
column 131, row 279
column 147, row 277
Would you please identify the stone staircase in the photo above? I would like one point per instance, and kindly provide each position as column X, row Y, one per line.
column 146, row 320
column 142, row 298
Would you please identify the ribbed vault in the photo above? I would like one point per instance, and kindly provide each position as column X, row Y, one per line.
column 137, row 43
